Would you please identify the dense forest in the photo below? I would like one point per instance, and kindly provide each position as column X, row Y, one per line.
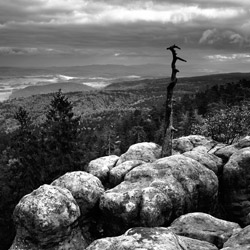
column 46, row 141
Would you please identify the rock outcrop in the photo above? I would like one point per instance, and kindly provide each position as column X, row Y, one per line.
column 101, row 167
column 205, row 227
column 239, row 241
column 226, row 151
column 147, row 194
column 187, row 143
column 47, row 218
column 153, row 194
column 210, row 161
column 85, row 188
column 235, row 186
column 150, row 239
column 145, row 151
column 117, row 174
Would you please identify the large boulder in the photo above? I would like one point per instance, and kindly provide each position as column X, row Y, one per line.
column 45, row 218
column 205, row 227
column 85, row 188
column 235, row 186
column 117, row 174
column 239, row 241
column 101, row 167
column 228, row 150
column 208, row 160
column 187, row 143
column 145, row 151
column 150, row 239
column 153, row 194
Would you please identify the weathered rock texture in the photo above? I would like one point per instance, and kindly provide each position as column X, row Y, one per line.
column 153, row 194
column 149, row 192
column 208, row 160
column 187, row 143
column 101, row 167
column 205, row 227
column 239, row 241
column 145, row 151
column 226, row 151
column 235, row 186
column 47, row 218
column 117, row 174
column 150, row 239
column 85, row 188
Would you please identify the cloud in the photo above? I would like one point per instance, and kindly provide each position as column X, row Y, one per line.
column 27, row 51
column 215, row 36
column 229, row 57
column 127, row 29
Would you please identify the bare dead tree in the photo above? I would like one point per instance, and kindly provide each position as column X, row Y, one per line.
column 168, row 128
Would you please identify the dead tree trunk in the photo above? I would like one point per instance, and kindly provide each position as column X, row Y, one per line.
column 168, row 128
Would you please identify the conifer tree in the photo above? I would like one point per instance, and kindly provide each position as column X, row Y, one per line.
column 61, row 132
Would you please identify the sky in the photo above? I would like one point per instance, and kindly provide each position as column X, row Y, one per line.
column 214, row 35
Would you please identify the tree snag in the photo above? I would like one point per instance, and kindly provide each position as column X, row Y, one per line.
column 168, row 128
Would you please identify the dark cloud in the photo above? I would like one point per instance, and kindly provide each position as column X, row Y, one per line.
column 120, row 30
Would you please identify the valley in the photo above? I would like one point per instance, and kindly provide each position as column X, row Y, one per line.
column 96, row 104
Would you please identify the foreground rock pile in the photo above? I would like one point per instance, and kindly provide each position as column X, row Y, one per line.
column 142, row 201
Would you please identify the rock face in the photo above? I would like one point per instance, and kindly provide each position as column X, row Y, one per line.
column 205, row 227
column 235, row 184
column 149, row 239
column 85, row 188
column 239, row 241
column 210, row 161
column 47, row 217
column 117, row 174
column 145, row 151
column 187, row 143
column 226, row 151
column 100, row 167
column 146, row 192
column 153, row 194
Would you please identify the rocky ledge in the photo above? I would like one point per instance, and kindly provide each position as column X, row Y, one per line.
column 197, row 199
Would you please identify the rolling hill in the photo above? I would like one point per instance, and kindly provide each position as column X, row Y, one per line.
column 115, row 99
column 49, row 88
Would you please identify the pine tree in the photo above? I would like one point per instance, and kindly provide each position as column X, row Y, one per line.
column 61, row 134
column 24, row 154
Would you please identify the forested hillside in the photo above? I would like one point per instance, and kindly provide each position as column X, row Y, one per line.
column 45, row 136
column 118, row 97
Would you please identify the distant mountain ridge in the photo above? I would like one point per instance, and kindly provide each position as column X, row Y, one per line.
column 195, row 81
column 106, row 70
column 49, row 88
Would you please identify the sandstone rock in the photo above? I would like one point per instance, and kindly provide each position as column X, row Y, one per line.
column 216, row 148
column 187, row 143
column 85, row 188
column 235, row 186
column 100, row 167
column 239, row 241
column 210, row 161
column 227, row 151
column 154, row 193
column 193, row 244
column 145, row 151
column 45, row 218
column 204, row 227
column 118, row 173
column 149, row 239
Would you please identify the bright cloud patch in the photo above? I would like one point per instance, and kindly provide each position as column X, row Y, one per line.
column 223, row 58
column 213, row 36
column 27, row 51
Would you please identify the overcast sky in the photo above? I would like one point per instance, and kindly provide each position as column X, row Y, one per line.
column 214, row 35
